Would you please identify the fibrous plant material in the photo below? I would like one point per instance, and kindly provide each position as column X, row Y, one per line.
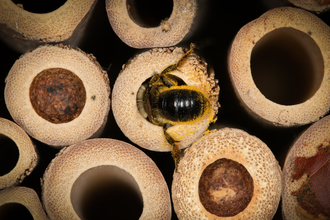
column 91, row 167
column 24, row 30
column 27, row 156
column 11, row 200
column 306, row 175
column 137, row 71
column 279, row 67
column 227, row 174
column 135, row 34
column 312, row 5
column 58, row 94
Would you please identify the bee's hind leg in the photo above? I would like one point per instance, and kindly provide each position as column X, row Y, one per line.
column 176, row 152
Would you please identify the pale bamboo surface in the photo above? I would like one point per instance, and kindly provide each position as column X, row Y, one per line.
column 23, row 30
column 317, row 102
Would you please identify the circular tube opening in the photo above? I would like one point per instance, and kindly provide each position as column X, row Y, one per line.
column 225, row 188
column 11, row 211
column 106, row 192
column 287, row 66
column 39, row 6
column 57, row 95
column 9, row 154
column 149, row 13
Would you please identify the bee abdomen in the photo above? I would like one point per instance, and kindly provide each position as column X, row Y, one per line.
column 181, row 104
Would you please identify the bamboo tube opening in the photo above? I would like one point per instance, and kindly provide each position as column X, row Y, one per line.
column 39, row 6
column 287, row 66
column 9, row 154
column 57, row 95
column 227, row 173
column 225, row 188
column 141, row 24
column 58, row 90
column 14, row 211
column 127, row 88
column 109, row 191
column 148, row 13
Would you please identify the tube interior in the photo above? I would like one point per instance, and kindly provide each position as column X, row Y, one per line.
column 149, row 13
column 287, row 66
column 9, row 154
column 106, row 192
column 9, row 211
column 39, row 6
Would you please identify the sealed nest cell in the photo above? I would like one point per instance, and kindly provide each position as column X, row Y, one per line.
column 59, row 95
column 227, row 174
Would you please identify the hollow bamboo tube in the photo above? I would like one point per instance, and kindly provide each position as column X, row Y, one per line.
column 135, row 34
column 312, row 5
column 27, row 156
column 141, row 68
column 227, row 174
column 58, row 94
column 63, row 194
column 23, row 30
column 26, row 197
column 314, row 143
column 289, row 48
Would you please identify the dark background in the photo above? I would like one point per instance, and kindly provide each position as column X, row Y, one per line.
column 213, row 36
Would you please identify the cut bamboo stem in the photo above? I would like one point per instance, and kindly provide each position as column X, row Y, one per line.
column 227, row 174
column 58, row 94
column 307, row 164
column 135, row 34
column 84, row 173
column 27, row 156
column 15, row 196
column 140, row 69
column 312, row 5
column 23, row 30
column 280, row 69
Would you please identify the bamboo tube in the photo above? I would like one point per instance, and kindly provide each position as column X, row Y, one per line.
column 92, row 167
column 312, row 5
column 227, row 174
column 27, row 156
column 279, row 67
column 306, row 181
column 23, row 30
column 58, row 94
column 141, row 68
column 135, row 34
column 12, row 197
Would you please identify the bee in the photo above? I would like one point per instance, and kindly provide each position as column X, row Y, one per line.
column 166, row 101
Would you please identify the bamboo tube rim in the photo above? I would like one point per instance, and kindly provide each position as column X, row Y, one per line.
column 27, row 159
column 312, row 5
column 305, row 146
column 74, row 160
column 55, row 26
column 26, row 197
column 240, row 72
column 235, row 145
column 143, row 66
column 85, row 66
column 169, row 33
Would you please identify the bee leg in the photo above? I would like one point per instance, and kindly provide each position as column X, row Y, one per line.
column 176, row 152
column 176, row 65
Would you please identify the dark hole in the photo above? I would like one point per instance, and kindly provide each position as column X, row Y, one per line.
column 149, row 13
column 9, row 154
column 107, row 196
column 40, row 6
column 13, row 211
column 287, row 66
